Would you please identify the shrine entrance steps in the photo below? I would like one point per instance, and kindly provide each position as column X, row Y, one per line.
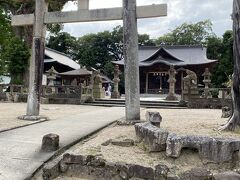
column 144, row 103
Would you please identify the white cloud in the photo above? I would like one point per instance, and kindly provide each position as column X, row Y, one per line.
column 179, row 11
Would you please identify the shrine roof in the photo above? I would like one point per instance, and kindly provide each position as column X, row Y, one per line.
column 178, row 55
column 77, row 72
column 61, row 58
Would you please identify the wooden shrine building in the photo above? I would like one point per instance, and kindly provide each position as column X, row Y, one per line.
column 155, row 62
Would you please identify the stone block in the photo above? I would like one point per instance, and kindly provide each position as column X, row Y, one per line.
column 173, row 177
column 161, row 171
column 115, row 95
column 74, row 159
column 141, row 172
column 152, row 136
column 154, row 118
column 197, row 174
column 229, row 175
column 217, row 150
column 51, row 170
column 95, row 161
column 44, row 100
column 123, row 143
column 50, row 142
column 106, row 143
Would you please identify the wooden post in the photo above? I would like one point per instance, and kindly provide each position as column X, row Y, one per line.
column 146, row 83
column 130, row 38
column 182, row 87
column 37, row 58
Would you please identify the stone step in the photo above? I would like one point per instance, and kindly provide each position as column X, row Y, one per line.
column 142, row 101
column 142, row 105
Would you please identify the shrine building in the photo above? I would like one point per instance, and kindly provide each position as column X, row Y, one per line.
column 155, row 62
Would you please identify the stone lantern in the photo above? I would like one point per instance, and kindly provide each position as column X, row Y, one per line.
column 172, row 80
column 207, row 81
column 51, row 76
column 116, row 80
column 98, row 92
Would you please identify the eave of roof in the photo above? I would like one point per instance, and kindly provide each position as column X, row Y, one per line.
column 181, row 55
column 77, row 72
column 61, row 58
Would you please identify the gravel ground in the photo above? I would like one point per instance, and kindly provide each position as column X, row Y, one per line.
column 181, row 121
column 193, row 121
column 10, row 111
column 184, row 121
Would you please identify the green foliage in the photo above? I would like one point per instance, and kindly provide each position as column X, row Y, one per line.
column 187, row 34
column 15, row 55
column 117, row 45
column 63, row 42
column 214, row 46
column 224, row 68
column 94, row 50
column 5, row 33
column 13, row 52
column 144, row 40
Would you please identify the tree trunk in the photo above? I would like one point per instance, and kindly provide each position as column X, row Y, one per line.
column 234, row 122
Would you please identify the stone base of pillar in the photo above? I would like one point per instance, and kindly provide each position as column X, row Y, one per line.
column 44, row 100
column 194, row 94
column 98, row 92
column 33, row 118
column 115, row 95
column 171, row 98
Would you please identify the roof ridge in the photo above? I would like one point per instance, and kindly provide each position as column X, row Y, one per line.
column 61, row 53
column 173, row 46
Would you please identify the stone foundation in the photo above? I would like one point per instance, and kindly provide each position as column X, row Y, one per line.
column 212, row 103
column 96, row 168
column 152, row 136
column 217, row 150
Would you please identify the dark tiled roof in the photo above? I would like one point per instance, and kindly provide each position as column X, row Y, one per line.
column 61, row 58
column 172, row 55
column 77, row 72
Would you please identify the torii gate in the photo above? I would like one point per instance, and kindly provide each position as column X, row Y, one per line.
column 129, row 13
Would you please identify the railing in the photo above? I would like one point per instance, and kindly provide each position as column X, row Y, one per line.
column 160, row 91
column 209, row 98
column 220, row 93
column 61, row 91
column 10, row 92
column 11, row 88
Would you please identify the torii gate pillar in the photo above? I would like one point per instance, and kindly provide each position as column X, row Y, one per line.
column 37, row 60
column 130, row 49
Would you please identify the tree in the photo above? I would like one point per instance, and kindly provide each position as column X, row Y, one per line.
column 116, row 47
column 224, row 53
column 234, row 122
column 4, row 35
column 63, row 42
column 94, row 50
column 16, row 54
column 214, row 47
column 15, row 7
column 144, row 40
column 187, row 34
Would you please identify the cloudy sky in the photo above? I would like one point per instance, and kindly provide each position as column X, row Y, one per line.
column 179, row 11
